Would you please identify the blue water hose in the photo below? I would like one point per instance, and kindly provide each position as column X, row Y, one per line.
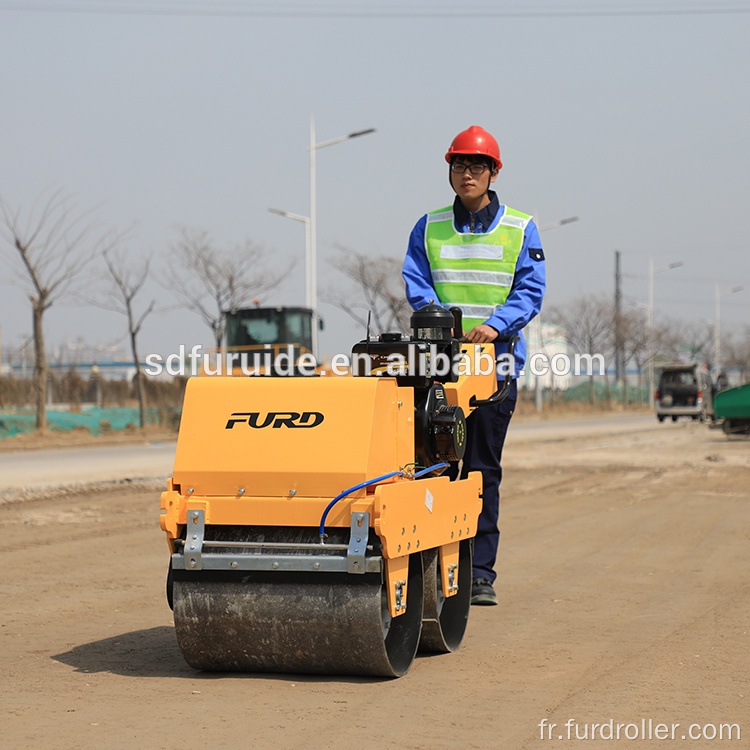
column 349, row 492
column 322, row 530
column 429, row 469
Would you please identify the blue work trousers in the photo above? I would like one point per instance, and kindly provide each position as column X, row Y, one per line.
column 486, row 428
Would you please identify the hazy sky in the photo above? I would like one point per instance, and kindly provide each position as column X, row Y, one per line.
column 638, row 124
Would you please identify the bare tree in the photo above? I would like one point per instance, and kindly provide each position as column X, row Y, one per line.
column 211, row 282
column 738, row 353
column 634, row 334
column 380, row 291
column 589, row 326
column 53, row 244
column 678, row 339
column 126, row 279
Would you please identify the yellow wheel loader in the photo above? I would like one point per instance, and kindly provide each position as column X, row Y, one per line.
column 309, row 527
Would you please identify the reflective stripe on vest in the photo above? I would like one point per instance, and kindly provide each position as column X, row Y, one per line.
column 475, row 250
column 449, row 276
column 474, row 271
column 477, row 312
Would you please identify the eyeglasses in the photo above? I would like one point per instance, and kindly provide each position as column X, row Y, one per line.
column 475, row 169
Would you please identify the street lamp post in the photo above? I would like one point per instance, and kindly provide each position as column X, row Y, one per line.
column 651, row 273
column 311, row 274
column 536, row 324
column 717, row 325
column 641, row 306
column 312, row 264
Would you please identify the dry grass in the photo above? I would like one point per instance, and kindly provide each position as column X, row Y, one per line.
column 80, row 437
column 70, row 388
column 526, row 408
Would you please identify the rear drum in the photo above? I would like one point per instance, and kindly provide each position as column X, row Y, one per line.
column 445, row 618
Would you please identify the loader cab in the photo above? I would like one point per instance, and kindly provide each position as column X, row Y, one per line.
column 278, row 327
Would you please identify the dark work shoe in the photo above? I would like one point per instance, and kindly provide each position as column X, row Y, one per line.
column 482, row 592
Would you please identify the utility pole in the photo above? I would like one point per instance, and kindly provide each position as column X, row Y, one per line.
column 619, row 353
column 717, row 335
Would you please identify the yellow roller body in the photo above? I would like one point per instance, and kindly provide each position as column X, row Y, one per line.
column 364, row 430
column 258, row 461
column 284, row 475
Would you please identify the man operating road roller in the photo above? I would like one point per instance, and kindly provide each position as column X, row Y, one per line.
column 486, row 259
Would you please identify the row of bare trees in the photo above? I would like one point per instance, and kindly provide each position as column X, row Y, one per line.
column 52, row 245
column 593, row 327
column 55, row 251
column 591, row 323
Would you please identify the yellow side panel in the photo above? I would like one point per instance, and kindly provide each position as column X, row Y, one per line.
column 353, row 435
column 268, row 511
column 405, row 422
column 480, row 386
column 427, row 513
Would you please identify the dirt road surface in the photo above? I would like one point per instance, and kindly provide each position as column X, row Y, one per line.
column 624, row 596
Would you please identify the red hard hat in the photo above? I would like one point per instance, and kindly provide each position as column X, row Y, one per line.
column 475, row 140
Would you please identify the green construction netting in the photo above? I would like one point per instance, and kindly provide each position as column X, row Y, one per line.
column 95, row 420
column 582, row 392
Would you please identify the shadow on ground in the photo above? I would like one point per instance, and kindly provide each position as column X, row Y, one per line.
column 143, row 653
column 154, row 653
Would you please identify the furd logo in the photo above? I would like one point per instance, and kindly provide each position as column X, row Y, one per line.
column 276, row 419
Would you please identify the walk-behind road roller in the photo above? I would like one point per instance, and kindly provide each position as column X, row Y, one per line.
column 309, row 528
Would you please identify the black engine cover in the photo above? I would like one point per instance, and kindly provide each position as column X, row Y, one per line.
column 439, row 429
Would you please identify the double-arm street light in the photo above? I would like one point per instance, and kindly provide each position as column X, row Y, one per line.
column 651, row 273
column 311, row 281
column 314, row 147
column 717, row 325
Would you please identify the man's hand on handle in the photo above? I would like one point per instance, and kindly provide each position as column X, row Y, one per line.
column 482, row 334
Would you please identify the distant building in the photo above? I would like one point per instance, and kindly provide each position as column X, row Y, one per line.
column 547, row 339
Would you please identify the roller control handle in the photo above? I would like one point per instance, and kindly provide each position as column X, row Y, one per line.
column 458, row 324
column 502, row 394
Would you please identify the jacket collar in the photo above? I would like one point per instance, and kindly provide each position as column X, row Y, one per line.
column 482, row 219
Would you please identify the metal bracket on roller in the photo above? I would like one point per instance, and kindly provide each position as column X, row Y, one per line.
column 399, row 596
column 196, row 553
column 355, row 555
column 452, row 584
column 196, row 528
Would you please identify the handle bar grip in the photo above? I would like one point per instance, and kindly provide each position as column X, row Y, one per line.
column 458, row 324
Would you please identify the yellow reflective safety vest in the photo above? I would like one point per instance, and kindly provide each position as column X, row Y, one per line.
column 474, row 271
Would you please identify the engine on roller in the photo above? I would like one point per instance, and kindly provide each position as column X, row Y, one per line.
column 425, row 361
